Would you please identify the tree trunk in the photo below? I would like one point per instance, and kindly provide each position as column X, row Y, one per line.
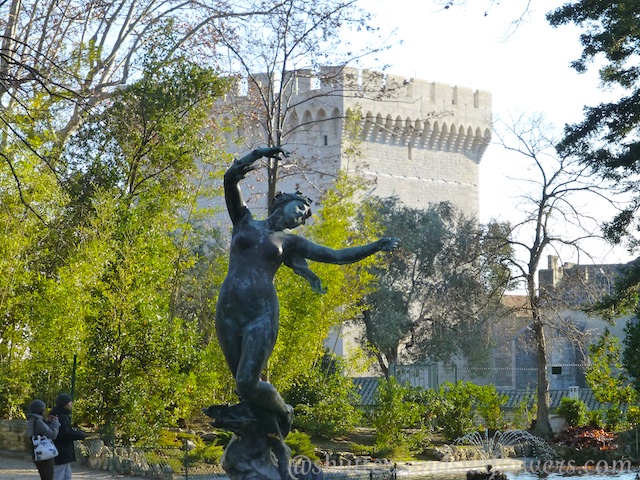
column 6, row 50
column 542, row 427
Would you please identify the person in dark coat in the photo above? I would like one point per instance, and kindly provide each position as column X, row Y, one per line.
column 66, row 436
column 37, row 425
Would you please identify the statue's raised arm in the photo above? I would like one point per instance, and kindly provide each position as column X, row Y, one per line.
column 237, row 171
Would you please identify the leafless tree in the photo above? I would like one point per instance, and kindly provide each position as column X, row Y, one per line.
column 553, row 217
column 489, row 5
column 60, row 59
column 294, row 44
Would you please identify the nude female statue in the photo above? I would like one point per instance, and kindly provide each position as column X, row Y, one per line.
column 247, row 310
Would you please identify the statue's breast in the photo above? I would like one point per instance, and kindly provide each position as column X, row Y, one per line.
column 261, row 244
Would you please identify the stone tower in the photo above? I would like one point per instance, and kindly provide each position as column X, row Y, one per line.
column 422, row 141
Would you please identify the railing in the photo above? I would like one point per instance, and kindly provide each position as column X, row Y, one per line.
column 184, row 463
column 156, row 462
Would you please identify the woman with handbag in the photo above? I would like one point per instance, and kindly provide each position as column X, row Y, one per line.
column 42, row 433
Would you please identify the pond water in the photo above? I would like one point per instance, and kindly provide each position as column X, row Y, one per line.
column 532, row 476
column 583, row 476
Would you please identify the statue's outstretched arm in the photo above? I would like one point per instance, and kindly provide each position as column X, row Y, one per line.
column 237, row 171
column 320, row 253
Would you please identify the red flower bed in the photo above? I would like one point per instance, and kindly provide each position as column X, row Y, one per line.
column 588, row 437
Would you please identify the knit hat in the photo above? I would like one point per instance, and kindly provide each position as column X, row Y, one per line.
column 37, row 406
column 63, row 399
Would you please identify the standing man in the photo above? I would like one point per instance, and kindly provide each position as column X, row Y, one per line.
column 66, row 436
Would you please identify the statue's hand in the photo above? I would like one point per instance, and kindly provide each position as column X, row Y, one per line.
column 316, row 286
column 388, row 244
column 272, row 152
column 239, row 169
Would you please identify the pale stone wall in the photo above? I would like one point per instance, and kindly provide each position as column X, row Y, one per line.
column 422, row 141
column 13, row 435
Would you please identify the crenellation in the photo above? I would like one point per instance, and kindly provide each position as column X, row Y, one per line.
column 351, row 79
column 442, row 94
column 397, row 84
column 403, row 91
column 463, row 96
column 303, row 81
column 423, row 141
column 372, row 81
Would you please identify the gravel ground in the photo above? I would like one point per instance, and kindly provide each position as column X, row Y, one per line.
column 20, row 467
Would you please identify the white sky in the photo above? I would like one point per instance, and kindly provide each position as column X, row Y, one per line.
column 526, row 72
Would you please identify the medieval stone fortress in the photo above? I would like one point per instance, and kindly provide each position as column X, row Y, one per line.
column 418, row 140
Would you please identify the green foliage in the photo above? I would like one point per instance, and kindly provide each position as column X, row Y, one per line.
column 454, row 407
column 353, row 132
column 305, row 316
column 361, row 450
column 574, row 411
column 106, row 285
column 174, row 459
column 524, row 413
column 30, row 359
column 607, row 138
column 324, row 400
column 614, row 418
column 300, row 444
column 438, row 288
column 631, row 352
column 489, row 405
column 395, row 413
column 209, row 454
column 140, row 356
column 633, row 415
column 595, row 418
column 605, row 375
column 167, row 438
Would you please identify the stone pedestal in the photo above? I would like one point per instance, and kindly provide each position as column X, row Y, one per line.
column 257, row 450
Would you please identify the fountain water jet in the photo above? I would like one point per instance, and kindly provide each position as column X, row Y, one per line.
column 493, row 446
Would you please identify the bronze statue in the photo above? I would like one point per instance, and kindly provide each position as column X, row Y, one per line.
column 247, row 310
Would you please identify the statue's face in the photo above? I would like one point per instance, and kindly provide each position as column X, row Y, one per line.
column 294, row 213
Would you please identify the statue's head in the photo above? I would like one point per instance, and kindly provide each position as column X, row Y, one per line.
column 294, row 208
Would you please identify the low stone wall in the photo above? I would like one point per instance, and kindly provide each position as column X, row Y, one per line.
column 13, row 435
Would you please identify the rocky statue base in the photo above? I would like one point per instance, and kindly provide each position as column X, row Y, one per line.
column 257, row 450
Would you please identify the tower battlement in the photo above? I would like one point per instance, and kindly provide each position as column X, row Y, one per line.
column 370, row 85
column 420, row 140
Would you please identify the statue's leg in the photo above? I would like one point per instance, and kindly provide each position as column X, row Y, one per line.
column 258, row 340
column 230, row 340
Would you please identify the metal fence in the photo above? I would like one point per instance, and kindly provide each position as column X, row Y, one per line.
column 162, row 463
column 187, row 463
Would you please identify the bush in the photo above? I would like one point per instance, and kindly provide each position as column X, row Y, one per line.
column 595, row 418
column 489, row 405
column 454, row 407
column 168, row 438
column 396, row 412
column 324, row 401
column 524, row 413
column 633, row 415
column 455, row 417
column 300, row 444
column 361, row 450
column 614, row 418
column 574, row 411
column 209, row 454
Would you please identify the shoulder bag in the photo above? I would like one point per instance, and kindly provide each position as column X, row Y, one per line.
column 43, row 448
